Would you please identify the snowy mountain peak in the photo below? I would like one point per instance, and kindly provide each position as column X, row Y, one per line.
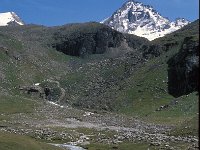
column 142, row 20
column 181, row 22
column 10, row 18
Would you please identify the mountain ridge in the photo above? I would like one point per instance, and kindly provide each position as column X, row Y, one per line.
column 142, row 20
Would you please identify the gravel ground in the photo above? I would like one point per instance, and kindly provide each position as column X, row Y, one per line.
column 46, row 118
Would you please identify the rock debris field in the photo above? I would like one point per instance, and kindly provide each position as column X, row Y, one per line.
column 78, row 127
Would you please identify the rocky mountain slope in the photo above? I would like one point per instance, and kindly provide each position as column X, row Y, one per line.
column 88, row 76
column 142, row 20
column 10, row 18
column 90, row 83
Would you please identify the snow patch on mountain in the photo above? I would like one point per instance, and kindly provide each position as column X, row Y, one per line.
column 10, row 18
column 142, row 20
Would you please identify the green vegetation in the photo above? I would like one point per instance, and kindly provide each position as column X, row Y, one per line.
column 149, row 92
column 188, row 127
column 17, row 142
column 147, row 88
column 122, row 146
column 16, row 104
column 13, row 44
column 126, row 84
column 144, row 90
column 134, row 146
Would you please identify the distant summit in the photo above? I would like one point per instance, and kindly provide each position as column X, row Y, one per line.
column 10, row 19
column 142, row 20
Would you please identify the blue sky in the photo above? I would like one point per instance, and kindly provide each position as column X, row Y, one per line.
column 59, row 12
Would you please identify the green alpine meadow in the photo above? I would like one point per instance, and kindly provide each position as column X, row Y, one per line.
column 128, row 83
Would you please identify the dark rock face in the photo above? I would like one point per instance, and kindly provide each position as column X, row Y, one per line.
column 32, row 90
column 183, row 69
column 150, row 51
column 85, row 39
column 80, row 42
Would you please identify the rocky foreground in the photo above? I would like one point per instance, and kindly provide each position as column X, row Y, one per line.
column 54, row 123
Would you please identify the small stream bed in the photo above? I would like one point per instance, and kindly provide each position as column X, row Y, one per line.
column 68, row 147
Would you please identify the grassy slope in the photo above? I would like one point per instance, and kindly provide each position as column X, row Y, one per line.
column 16, row 104
column 16, row 142
column 15, row 73
column 133, row 146
column 123, row 146
column 143, row 92
column 148, row 90
column 189, row 127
